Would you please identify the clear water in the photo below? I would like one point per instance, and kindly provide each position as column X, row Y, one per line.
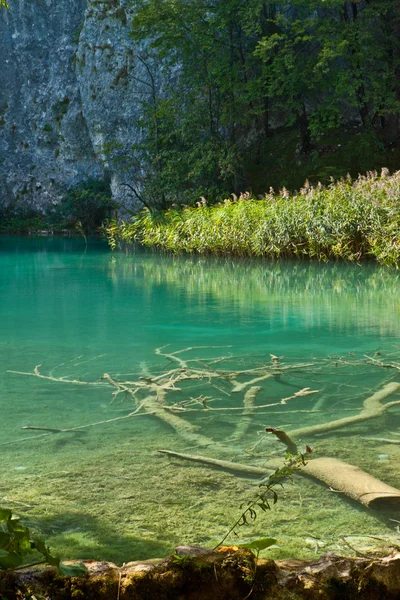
column 104, row 492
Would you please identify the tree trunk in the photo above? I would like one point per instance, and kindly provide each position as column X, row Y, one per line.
column 305, row 134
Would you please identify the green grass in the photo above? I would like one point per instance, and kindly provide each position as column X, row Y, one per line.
column 348, row 220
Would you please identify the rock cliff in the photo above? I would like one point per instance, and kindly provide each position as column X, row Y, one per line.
column 69, row 97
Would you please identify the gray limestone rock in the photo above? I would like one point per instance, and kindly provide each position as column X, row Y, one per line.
column 71, row 92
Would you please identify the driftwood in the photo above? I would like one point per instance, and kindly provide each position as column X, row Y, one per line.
column 353, row 482
column 284, row 439
column 381, row 440
column 156, row 388
column 51, row 429
column 225, row 465
column 186, row 430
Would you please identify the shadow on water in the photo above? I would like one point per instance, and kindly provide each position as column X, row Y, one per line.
column 83, row 536
column 55, row 244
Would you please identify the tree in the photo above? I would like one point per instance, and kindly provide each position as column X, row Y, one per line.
column 213, row 106
column 227, row 68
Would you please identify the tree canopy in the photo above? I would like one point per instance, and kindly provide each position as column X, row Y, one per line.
column 240, row 71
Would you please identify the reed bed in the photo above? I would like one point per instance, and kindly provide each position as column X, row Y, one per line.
column 349, row 220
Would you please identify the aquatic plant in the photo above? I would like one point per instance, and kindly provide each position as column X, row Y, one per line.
column 17, row 542
column 349, row 220
column 263, row 498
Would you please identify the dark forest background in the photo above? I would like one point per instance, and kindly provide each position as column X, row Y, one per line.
column 262, row 94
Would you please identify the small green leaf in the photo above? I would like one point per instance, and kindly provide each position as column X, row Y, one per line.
column 5, row 514
column 25, row 546
column 22, row 533
column 72, row 570
column 13, row 524
column 53, row 560
column 40, row 545
column 10, row 560
column 4, row 539
column 260, row 544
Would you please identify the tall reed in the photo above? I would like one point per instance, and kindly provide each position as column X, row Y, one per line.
column 348, row 220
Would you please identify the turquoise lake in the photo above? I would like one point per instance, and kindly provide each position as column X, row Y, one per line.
column 103, row 491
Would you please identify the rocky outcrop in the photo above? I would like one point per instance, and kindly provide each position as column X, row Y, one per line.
column 69, row 97
column 115, row 78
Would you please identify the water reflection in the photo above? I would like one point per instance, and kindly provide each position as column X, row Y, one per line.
column 332, row 296
column 82, row 314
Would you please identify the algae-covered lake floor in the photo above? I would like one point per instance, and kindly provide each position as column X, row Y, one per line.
column 139, row 505
column 104, row 492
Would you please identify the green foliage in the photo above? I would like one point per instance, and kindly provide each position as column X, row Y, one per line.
column 182, row 560
column 222, row 77
column 195, row 127
column 335, row 153
column 255, row 547
column 16, row 543
column 84, row 208
column 349, row 220
column 266, row 497
column 259, row 544
column 21, row 219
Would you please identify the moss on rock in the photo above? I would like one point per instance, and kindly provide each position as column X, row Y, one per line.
column 229, row 574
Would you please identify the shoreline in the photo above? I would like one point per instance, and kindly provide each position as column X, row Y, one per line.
column 231, row 573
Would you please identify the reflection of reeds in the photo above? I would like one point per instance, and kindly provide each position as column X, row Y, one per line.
column 333, row 295
column 347, row 221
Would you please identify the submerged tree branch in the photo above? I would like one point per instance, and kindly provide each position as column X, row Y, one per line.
column 372, row 408
column 164, row 392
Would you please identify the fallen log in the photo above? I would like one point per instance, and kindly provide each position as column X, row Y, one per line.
column 372, row 408
column 249, row 408
column 336, row 474
column 353, row 482
column 224, row 465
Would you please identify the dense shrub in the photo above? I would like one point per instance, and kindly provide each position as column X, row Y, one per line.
column 83, row 208
column 21, row 219
column 86, row 206
column 348, row 220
